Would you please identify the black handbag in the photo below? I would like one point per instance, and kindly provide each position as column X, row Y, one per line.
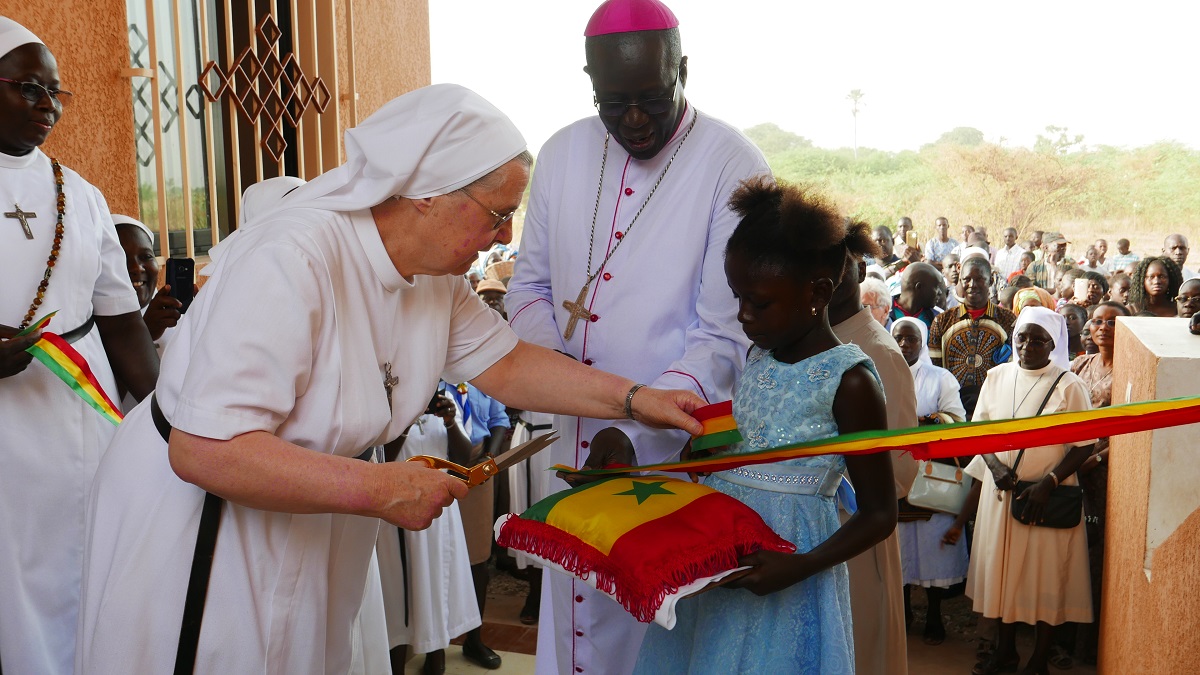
column 1064, row 509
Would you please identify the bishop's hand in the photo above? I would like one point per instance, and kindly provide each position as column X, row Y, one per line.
column 609, row 447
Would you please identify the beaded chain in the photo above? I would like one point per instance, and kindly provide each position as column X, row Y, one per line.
column 54, row 248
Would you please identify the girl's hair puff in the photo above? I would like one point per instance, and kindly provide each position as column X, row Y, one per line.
column 787, row 228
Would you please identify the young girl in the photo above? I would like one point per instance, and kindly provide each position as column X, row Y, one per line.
column 791, row 613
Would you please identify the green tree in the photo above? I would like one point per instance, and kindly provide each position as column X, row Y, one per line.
column 772, row 140
column 854, row 97
column 968, row 136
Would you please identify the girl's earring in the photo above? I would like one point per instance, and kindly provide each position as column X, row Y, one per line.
column 814, row 311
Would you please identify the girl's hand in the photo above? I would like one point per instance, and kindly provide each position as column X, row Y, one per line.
column 687, row 453
column 1035, row 497
column 162, row 312
column 950, row 537
column 771, row 571
column 1003, row 476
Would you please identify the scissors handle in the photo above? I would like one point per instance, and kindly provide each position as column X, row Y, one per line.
column 473, row 476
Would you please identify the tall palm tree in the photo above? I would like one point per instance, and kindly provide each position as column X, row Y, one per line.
column 854, row 97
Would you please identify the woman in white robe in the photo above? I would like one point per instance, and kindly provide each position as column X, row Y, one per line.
column 322, row 332
column 50, row 438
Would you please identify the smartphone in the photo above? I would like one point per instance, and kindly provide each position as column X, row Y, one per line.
column 441, row 391
column 1081, row 288
column 910, row 238
column 181, row 276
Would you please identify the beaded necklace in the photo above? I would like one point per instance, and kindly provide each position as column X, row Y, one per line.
column 55, row 247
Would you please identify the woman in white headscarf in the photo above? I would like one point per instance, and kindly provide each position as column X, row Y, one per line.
column 925, row 559
column 58, row 253
column 322, row 332
column 1028, row 573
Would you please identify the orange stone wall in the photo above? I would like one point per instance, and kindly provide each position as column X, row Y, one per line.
column 95, row 134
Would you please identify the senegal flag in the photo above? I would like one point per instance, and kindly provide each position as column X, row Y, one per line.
column 643, row 537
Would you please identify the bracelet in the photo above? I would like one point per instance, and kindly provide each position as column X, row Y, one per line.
column 1053, row 476
column 629, row 400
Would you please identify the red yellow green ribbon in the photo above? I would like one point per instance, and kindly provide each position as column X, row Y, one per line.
column 956, row 440
column 70, row 367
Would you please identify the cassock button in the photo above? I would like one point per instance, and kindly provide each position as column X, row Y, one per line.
column 607, row 276
column 587, row 362
column 578, row 633
column 583, row 444
column 579, row 669
column 594, row 318
column 628, row 191
column 579, row 598
column 619, row 235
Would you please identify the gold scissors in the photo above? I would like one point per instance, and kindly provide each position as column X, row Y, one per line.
column 480, row 473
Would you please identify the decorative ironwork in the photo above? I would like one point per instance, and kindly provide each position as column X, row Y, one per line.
column 142, row 108
column 267, row 90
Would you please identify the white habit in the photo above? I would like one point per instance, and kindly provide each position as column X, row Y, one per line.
column 290, row 336
column 51, row 440
column 661, row 314
column 529, row 481
column 435, row 574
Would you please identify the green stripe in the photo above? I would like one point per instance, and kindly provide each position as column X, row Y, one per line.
column 42, row 355
column 717, row 439
column 540, row 510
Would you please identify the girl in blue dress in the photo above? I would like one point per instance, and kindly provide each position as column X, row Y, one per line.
column 791, row 612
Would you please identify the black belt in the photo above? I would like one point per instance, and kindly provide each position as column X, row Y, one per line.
column 202, row 560
column 78, row 332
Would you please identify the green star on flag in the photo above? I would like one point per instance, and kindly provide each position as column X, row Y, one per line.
column 644, row 491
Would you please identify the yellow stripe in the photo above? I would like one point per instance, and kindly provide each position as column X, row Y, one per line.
column 608, row 516
column 74, row 370
column 718, row 424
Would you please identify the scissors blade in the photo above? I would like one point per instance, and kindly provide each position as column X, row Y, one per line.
column 526, row 450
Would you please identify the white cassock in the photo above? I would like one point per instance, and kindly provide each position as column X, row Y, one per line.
column 661, row 314
column 50, row 439
column 428, row 596
column 290, row 336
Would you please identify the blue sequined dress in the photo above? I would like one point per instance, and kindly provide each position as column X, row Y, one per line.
column 805, row 628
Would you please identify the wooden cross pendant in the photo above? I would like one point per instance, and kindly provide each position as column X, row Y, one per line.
column 22, row 216
column 577, row 311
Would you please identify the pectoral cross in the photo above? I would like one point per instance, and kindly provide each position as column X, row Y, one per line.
column 389, row 381
column 577, row 311
column 22, row 216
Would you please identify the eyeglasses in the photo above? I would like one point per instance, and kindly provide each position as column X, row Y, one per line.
column 500, row 219
column 33, row 92
column 650, row 106
column 1032, row 341
column 1185, row 299
column 1103, row 322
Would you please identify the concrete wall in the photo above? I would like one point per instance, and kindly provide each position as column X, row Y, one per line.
column 1151, row 596
column 95, row 134
column 389, row 45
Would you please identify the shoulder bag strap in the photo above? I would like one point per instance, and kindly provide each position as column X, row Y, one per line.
column 1039, row 412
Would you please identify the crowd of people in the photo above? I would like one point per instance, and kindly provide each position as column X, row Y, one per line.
column 254, row 511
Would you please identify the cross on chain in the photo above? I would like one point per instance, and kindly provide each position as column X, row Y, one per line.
column 389, row 381
column 22, row 216
column 577, row 311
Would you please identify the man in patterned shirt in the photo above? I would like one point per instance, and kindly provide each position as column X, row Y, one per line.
column 974, row 337
column 941, row 245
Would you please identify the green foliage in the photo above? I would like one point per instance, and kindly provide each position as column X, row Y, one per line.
column 148, row 200
column 1086, row 192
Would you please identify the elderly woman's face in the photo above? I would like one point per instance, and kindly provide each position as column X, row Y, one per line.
column 25, row 124
column 467, row 225
column 1034, row 346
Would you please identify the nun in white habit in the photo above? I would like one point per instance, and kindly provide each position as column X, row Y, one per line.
column 322, row 332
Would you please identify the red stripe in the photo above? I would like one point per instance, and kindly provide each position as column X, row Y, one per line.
column 709, row 412
column 527, row 306
column 689, row 376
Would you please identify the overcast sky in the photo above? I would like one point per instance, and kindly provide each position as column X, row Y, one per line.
column 1119, row 73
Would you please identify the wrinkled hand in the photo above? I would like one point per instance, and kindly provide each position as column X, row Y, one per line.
column 13, row 357
column 414, row 495
column 667, row 409
column 951, row 535
column 162, row 312
column 1035, row 497
column 608, row 447
column 771, row 571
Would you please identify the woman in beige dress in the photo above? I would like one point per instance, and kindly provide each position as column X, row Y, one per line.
column 1028, row 573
